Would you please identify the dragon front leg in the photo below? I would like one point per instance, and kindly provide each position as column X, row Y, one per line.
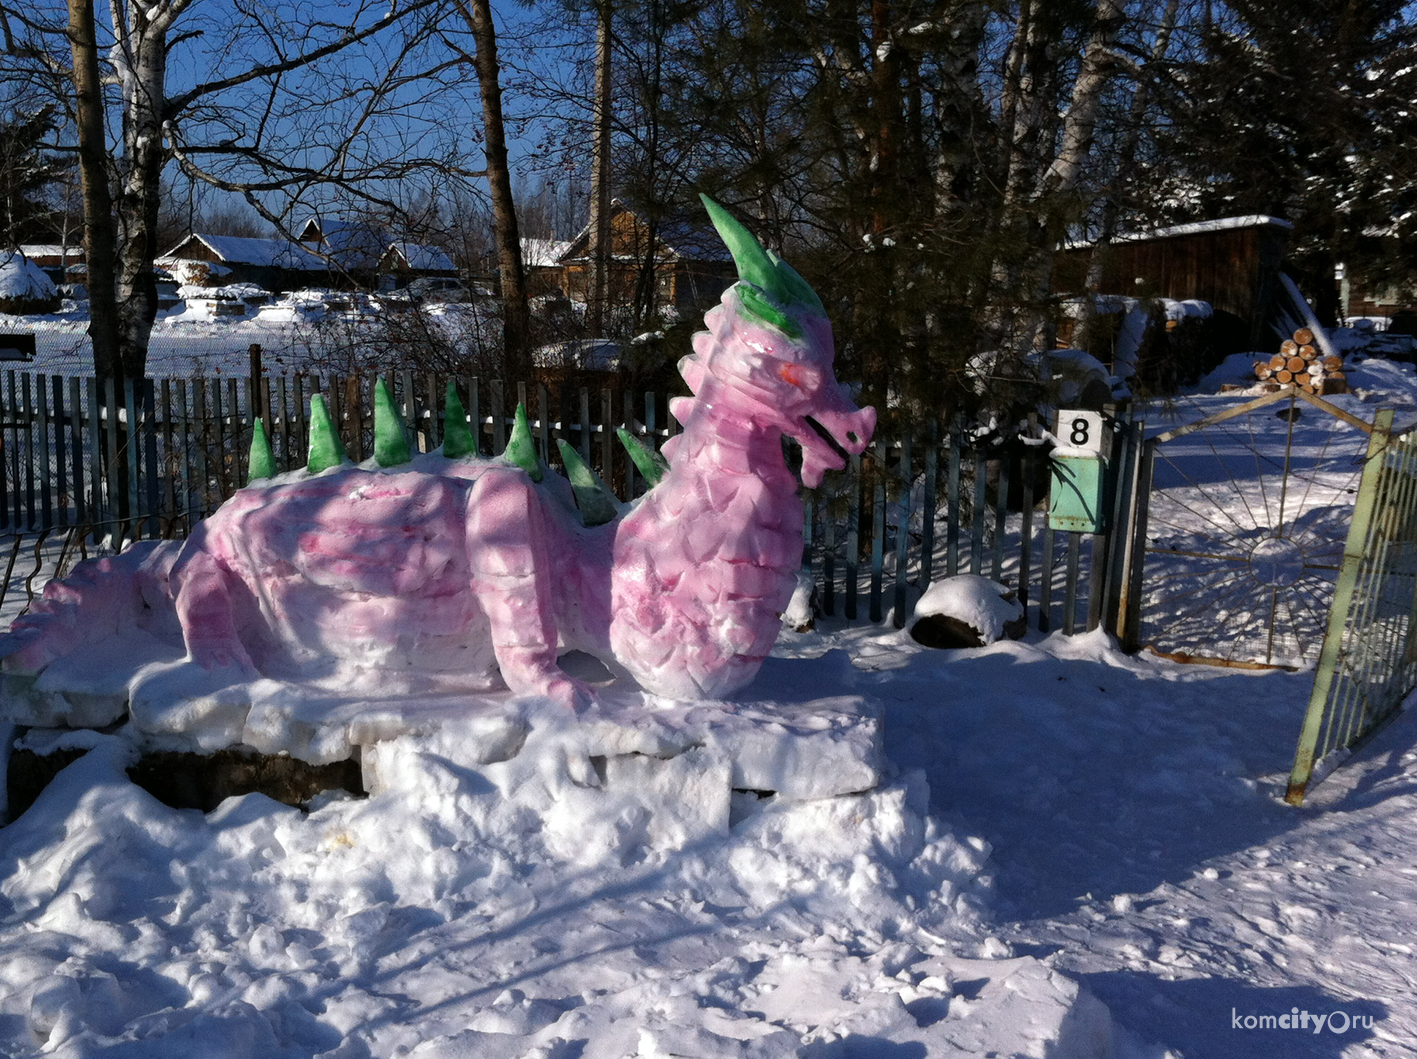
column 509, row 562
column 206, row 609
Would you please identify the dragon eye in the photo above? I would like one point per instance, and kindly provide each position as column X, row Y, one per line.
column 791, row 374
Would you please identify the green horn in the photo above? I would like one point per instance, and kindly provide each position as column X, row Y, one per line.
column 593, row 497
column 752, row 261
column 769, row 286
column 262, row 461
column 390, row 445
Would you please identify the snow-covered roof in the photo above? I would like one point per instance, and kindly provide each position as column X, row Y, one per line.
column 1220, row 224
column 544, row 253
column 351, row 243
column 34, row 250
column 423, row 258
column 686, row 239
column 245, row 250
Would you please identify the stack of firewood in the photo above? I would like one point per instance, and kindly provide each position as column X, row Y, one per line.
column 1299, row 363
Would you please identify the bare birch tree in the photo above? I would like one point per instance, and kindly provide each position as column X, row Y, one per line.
column 267, row 107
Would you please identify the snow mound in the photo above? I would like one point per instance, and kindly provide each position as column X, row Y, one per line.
column 24, row 288
column 1073, row 378
column 510, row 895
column 966, row 610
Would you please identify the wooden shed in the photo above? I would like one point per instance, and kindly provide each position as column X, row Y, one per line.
column 1232, row 263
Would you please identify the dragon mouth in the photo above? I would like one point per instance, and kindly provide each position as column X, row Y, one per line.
column 826, row 446
column 830, row 440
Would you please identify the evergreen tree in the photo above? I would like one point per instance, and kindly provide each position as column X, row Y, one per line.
column 1300, row 111
column 27, row 173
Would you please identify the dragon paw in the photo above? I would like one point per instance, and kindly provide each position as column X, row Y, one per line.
column 575, row 695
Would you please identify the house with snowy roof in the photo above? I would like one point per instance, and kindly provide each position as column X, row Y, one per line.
column 692, row 267
column 402, row 263
column 54, row 258
column 367, row 255
column 352, row 247
column 276, row 265
column 541, row 260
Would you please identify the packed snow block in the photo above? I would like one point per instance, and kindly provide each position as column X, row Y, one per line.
column 86, row 689
column 966, row 610
column 688, row 794
column 821, row 750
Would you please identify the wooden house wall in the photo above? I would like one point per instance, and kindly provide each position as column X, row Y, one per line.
column 1236, row 270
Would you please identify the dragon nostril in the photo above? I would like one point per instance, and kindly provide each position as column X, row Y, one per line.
column 851, row 436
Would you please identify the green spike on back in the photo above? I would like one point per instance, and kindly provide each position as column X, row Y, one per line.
column 390, row 445
column 326, row 449
column 521, row 449
column 457, row 438
column 650, row 463
column 593, row 497
column 262, row 461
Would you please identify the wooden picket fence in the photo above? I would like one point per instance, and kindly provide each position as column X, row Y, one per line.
column 928, row 503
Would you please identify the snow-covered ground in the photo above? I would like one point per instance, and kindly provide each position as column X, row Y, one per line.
column 1058, row 822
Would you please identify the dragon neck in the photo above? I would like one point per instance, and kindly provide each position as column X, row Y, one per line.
column 707, row 561
column 724, row 437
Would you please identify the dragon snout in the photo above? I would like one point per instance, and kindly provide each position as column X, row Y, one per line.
column 834, row 434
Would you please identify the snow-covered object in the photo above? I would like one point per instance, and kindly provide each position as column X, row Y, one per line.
column 1073, row 378
column 1294, row 311
column 24, row 288
column 438, row 569
column 966, row 610
column 194, row 274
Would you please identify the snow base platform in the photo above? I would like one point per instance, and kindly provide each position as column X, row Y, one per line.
column 796, row 750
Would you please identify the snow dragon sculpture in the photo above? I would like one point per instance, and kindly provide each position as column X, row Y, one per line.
column 443, row 566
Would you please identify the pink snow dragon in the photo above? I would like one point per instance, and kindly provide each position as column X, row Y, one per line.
column 444, row 568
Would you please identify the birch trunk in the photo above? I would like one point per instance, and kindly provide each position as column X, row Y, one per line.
column 516, row 321
column 1028, row 122
column 1057, row 188
column 1098, row 64
column 1126, row 150
column 140, row 57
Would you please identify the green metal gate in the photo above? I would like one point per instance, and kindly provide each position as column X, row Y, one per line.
column 1368, row 663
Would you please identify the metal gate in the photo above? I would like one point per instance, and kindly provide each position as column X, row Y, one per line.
column 1242, row 531
column 1368, row 663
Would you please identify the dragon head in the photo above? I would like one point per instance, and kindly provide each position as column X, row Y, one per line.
column 770, row 347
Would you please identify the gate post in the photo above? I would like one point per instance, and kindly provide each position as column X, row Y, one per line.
column 1129, row 610
column 1343, row 591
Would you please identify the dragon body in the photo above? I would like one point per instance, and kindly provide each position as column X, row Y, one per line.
column 443, row 568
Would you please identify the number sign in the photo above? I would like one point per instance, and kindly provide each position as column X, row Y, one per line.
column 1080, row 429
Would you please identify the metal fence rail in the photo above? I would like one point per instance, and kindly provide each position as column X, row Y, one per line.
column 932, row 502
column 1368, row 664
